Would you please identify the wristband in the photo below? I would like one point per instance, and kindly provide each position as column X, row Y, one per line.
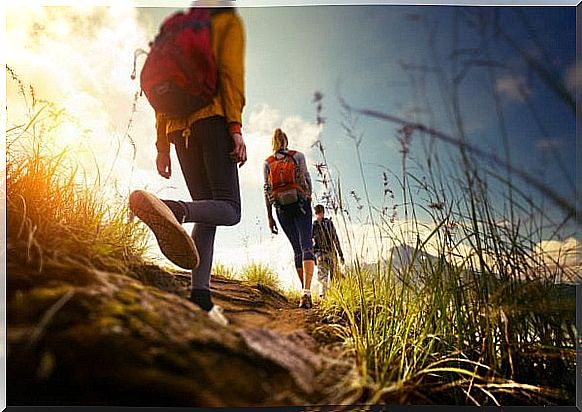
column 234, row 128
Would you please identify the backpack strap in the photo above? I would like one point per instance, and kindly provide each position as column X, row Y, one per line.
column 290, row 153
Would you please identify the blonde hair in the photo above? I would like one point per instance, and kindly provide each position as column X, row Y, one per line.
column 279, row 140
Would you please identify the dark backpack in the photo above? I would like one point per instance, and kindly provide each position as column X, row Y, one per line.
column 179, row 74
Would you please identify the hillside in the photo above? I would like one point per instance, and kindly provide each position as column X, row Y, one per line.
column 88, row 337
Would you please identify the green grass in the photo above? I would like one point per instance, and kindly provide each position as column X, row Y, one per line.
column 482, row 322
column 440, row 345
column 446, row 331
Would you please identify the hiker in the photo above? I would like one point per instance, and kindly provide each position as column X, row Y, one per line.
column 288, row 189
column 209, row 145
column 327, row 248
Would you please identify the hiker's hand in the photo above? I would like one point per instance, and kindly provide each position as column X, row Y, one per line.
column 164, row 164
column 239, row 151
column 273, row 226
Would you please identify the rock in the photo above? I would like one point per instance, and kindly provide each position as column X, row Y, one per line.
column 301, row 362
column 117, row 341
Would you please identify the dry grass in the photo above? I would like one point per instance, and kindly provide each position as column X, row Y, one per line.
column 55, row 217
column 224, row 271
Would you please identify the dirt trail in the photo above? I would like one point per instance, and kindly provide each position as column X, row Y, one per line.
column 252, row 306
column 262, row 314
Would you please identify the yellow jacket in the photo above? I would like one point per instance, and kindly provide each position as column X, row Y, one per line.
column 228, row 43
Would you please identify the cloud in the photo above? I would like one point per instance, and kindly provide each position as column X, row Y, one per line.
column 80, row 59
column 263, row 121
column 563, row 253
column 301, row 133
column 559, row 259
column 514, row 88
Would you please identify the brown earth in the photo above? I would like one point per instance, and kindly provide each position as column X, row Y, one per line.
column 88, row 337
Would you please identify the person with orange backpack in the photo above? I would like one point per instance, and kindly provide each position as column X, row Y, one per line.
column 194, row 79
column 288, row 189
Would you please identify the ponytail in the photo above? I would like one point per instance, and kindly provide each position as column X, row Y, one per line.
column 280, row 140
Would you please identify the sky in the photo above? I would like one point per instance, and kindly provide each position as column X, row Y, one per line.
column 81, row 58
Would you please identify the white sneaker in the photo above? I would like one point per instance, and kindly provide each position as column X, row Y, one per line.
column 217, row 315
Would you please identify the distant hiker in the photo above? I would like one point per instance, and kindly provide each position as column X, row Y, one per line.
column 327, row 248
column 288, row 188
column 199, row 111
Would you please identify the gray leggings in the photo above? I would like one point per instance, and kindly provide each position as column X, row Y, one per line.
column 212, row 180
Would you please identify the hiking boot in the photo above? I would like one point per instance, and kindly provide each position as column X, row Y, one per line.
column 173, row 240
column 305, row 302
column 217, row 315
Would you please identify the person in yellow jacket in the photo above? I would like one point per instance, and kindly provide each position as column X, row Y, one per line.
column 209, row 145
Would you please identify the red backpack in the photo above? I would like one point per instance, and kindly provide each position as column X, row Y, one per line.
column 179, row 74
column 283, row 178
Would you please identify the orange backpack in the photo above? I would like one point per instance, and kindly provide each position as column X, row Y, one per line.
column 283, row 178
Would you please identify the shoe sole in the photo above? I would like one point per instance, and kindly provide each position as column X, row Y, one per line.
column 172, row 239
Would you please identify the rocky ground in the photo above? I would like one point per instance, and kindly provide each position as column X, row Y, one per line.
column 88, row 337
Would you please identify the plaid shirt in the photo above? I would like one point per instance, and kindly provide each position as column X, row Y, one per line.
column 325, row 238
